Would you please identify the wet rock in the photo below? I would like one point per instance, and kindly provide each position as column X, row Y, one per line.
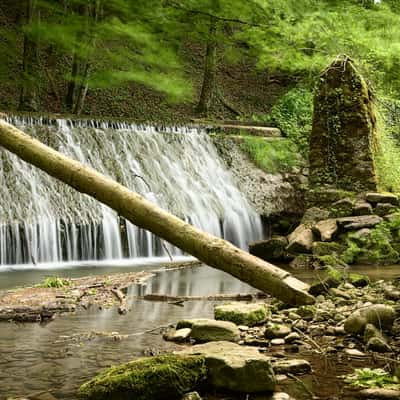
column 191, row 396
column 323, row 286
column 178, row 336
column 383, row 209
column 342, row 208
column 236, row 368
column 379, row 394
column 164, row 377
column 277, row 342
column 273, row 249
column 188, row 323
column 212, row 330
column 380, row 315
column 326, row 229
column 307, row 312
column 376, row 198
column 243, row 314
column 358, row 280
column 277, row 331
column 292, row 337
column 358, row 222
column 339, row 293
column 362, row 208
column 291, row 366
column 354, row 353
column 300, row 240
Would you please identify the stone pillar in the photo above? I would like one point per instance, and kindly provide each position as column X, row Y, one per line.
column 344, row 130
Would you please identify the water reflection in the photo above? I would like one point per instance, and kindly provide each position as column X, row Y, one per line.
column 36, row 358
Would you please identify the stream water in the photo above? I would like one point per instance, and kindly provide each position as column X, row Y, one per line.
column 59, row 356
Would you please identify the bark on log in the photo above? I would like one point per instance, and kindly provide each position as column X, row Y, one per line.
column 212, row 250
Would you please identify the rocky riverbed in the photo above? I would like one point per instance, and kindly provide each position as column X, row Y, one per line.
column 259, row 348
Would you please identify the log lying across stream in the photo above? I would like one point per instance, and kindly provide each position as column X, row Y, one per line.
column 209, row 249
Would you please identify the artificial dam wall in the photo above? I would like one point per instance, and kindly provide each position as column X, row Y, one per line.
column 45, row 221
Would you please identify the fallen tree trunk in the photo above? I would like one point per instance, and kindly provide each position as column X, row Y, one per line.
column 211, row 250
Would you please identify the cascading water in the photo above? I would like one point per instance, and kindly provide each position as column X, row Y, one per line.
column 43, row 220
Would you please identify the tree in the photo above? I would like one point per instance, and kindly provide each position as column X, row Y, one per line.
column 111, row 43
column 29, row 84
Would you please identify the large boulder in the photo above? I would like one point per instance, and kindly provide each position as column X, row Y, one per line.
column 380, row 315
column 165, row 377
column 243, row 314
column 236, row 368
column 211, row 330
column 300, row 240
column 326, row 229
column 344, row 130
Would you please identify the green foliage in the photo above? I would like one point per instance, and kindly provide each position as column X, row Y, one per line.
column 372, row 378
column 292, row 114
column 387, row 154
column 374, row 248
column 165, row 377
column 55, row 282
column 272, row 156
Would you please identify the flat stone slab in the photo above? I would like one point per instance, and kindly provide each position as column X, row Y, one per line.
column 208, row 330
column 237, row 368
column 359, row 222
column 382, row 198
column 292, row 366
column 242, row 314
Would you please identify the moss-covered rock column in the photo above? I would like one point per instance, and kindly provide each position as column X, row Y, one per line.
column 344, row 130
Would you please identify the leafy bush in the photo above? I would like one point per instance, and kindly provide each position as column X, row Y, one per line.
column 272, row 156
column 292, row 114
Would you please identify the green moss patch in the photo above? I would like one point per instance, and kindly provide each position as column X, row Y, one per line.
column 165, row 377
column 242, row 314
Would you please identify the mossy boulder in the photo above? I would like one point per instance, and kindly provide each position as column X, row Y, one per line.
column 313, row 215
column 236, row 368
column 165, row 377
column 242, row 314
column 342, row 208
column 358, row 280
column 344, row 130
column 326, row 249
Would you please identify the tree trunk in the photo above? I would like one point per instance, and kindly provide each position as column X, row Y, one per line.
column 211, row 250
column 69, row 100
column 210, row 69
column 29, row 89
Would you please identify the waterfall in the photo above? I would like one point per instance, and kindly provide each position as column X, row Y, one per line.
column 178, row 168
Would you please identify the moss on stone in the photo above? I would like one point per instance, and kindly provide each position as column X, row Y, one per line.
column 165, row 377
column 242, row 314
column 374, row 248
column 327, row 249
